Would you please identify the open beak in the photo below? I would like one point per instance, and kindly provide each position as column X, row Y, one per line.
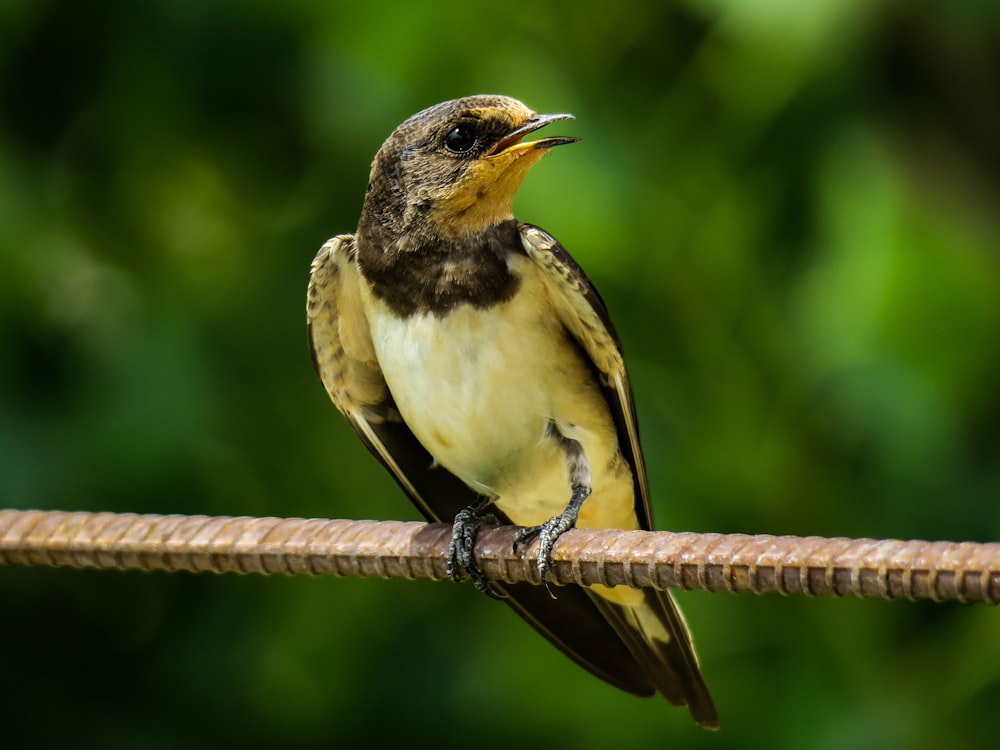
column 513, row 140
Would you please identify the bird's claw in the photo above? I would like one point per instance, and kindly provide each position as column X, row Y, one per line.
column 464, row 531
column 547, row 534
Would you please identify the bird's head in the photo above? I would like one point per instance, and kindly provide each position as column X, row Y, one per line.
column 453, row 169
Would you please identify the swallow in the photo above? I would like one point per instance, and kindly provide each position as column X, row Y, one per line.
column 477, row 362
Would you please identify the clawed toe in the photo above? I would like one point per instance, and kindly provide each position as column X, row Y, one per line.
column 548, row 534
column 461, row 556
column 524, row 537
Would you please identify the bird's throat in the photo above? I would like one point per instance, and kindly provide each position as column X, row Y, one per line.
column 435, row 276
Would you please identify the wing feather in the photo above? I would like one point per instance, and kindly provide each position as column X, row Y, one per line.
column 342, row 349
column 663, row 647
column 583, row 312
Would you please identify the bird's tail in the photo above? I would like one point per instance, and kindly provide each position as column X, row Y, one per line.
column 654, row 631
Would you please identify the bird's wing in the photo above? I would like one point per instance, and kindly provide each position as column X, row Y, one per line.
column 583, row 313
column 654, row 631
column 345, row 360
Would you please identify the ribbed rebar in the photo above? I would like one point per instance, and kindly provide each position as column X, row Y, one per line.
column 886, row 568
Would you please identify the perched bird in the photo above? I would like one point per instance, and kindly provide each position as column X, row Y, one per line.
column 477, row 362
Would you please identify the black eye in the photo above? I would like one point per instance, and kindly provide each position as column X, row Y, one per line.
column 461, row 139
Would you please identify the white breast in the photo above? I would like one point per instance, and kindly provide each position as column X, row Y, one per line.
column 479, row 389
column 467, row 383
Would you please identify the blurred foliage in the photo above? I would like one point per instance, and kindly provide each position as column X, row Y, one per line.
column 791, row 208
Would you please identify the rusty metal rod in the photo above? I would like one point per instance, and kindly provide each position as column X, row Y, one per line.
column 884, row 568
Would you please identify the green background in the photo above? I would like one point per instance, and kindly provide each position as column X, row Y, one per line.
column 791, row 209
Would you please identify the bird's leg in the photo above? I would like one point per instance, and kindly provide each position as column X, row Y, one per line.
column 464, row 531
column 550, row 531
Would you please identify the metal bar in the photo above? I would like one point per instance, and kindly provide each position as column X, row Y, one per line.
column 760, row 564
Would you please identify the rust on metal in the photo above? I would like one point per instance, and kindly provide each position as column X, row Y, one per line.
column 886, row 568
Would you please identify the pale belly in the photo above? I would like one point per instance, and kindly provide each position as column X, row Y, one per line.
column 480, row 388
column 467, row 385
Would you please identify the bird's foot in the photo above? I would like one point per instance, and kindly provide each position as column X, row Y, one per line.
column 549, row 532
column 464, row 531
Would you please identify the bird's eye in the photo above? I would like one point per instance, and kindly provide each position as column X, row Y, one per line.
column 461, row 139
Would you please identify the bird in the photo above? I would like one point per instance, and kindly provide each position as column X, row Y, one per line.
column 477, row 362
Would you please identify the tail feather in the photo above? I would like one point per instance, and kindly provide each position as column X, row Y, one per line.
column 656, row 634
